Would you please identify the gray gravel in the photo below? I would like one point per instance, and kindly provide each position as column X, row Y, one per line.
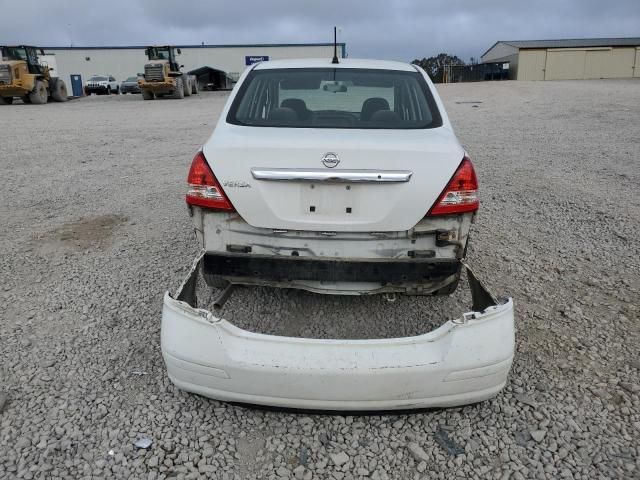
column 298, row 313
column 95, row 230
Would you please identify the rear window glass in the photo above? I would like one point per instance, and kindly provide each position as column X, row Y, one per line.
column 334, row 98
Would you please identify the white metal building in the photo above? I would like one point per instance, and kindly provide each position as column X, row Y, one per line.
column 584, row 58
column 127, row 61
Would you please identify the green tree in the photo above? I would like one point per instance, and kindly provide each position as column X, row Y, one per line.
column 433, row 65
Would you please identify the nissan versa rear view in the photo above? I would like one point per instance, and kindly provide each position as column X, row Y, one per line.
column 345, row 179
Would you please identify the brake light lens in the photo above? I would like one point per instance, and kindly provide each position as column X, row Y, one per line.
column 461, row 194
column 204, row 189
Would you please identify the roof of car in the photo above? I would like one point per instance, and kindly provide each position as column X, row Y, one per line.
column 344, row 63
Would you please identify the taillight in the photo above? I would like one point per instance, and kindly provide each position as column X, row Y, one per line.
column 204, row 189
column 461, row 194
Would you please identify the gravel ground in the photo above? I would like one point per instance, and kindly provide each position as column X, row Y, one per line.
column 297, row 313
column 95, row 230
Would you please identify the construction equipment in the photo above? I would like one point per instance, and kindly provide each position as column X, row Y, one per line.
column 162, row 75
column 22, row 75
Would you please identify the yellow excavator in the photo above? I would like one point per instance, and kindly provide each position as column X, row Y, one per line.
column 22, row 75
column 162, row 75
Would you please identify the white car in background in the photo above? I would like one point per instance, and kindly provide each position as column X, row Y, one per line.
column 338, row 179
column 101, row 85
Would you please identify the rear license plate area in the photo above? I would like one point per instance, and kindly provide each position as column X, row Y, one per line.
column 329, row 199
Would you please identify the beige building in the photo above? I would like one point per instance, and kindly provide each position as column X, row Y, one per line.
column 585, row 58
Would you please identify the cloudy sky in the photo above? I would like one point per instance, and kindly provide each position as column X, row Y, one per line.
column 393, row 29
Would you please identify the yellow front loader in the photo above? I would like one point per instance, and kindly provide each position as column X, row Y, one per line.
column 163, row 77
column 22, row 75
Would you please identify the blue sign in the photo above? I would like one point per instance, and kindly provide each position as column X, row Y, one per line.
column 251, row 59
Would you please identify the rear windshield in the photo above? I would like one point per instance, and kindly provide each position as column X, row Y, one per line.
column 334, row 98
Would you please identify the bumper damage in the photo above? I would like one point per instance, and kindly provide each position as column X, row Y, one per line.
column 466, row 360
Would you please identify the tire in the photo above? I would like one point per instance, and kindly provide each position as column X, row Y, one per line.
column 58, row 90
column 39, row 94
column 194, row 86
column 117, row 90
column 6, row 100
column 147, row 95
column 215, row 281
column 187, row 86
column 179, row 90
column 26, row 99
column 108, row 90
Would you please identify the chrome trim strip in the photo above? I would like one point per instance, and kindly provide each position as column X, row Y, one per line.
column 331, row 176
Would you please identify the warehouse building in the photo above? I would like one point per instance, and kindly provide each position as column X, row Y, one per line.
column 126, row 61
column 584, row 58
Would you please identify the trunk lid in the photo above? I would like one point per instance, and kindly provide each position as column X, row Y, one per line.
column 367, row 190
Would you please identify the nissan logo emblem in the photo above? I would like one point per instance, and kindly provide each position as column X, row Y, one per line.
column 330, row 160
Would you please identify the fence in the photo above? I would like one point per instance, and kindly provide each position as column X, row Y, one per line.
column 473, row 73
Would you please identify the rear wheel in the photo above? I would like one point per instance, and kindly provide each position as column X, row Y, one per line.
column 58, row 90
column 6, row 100
column 187, row 86
column 39, row 94
column 147, row 95
column 179, row 89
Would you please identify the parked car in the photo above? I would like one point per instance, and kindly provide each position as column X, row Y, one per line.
column 101, row 85
column 337, row 179
column 130, row 85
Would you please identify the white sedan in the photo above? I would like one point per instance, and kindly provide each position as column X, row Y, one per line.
column 338, row 179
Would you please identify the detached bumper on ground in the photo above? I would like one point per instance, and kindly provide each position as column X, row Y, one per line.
column 464, row 361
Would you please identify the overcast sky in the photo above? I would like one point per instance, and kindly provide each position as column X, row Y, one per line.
column 390, row 29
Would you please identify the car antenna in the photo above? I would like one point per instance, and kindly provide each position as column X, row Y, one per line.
column 335, row 45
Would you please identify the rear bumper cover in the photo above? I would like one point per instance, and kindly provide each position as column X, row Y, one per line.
column 466, row 360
